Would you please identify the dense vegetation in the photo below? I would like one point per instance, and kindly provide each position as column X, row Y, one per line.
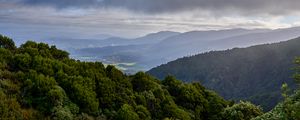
column 38, row 81
column 255, row 73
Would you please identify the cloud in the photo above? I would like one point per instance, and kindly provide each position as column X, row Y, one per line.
column 92, row 17
column 245, row 7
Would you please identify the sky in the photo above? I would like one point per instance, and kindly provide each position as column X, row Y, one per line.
column 97, row 19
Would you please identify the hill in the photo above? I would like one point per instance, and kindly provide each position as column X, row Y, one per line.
column 255, row 73
column 38, row 81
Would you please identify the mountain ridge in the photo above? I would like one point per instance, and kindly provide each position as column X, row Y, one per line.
column 234, row 73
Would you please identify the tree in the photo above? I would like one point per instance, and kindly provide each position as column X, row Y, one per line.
column 143, row 113
column 297, row 74
column 127, row 112
column 58, row 54
column 7, row 43
column 241, row 111
column 143, row 82
column 172, row 111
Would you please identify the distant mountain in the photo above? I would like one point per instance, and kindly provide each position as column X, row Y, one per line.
column 102, row 36
column 257, row 38
column 154, row 49
column 72, row 43
column 155, row 37
column 148, row 39
column 254, row 73
column 186, row 45
column 106, row 41
column 191, row 43
column 189, row 38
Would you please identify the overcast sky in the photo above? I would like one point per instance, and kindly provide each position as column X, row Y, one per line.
column 30, row 19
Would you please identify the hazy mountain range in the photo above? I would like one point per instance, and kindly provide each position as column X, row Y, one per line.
column 146, row 52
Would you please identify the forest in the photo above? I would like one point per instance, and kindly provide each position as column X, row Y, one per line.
column 254, row 73
column 38, row 81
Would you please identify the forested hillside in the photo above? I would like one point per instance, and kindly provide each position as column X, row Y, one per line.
column 38, row 81
column 255, row 73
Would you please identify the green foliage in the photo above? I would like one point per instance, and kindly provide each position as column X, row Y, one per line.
column 56, row 96
column 143, row 82
column 289, row 109
column 195, row 98
column 297, row 75
column 173, row 112
column 241, row 111
column 10, row 109
column 60, row 113
column 82, row 92
column 172, row 85
column 7, row 43
column 44, row 50
column 127, row 112
column 143, row 113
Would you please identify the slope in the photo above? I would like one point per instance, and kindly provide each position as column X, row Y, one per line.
column 254, row 73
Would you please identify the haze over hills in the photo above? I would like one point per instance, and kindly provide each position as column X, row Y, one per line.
column 255, row 73
column 88, row 59
column 144, row 55
column 72, row 43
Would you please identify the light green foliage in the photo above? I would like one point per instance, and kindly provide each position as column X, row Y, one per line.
column 143, row 113
column 289, row 109
column 195, row 98
column 241, row 111
column 56, row 96
column 127, row 112
column 173, row 112
column 274, row 114
column 61, row 113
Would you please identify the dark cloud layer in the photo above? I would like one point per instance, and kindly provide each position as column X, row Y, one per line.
column 272, row 7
